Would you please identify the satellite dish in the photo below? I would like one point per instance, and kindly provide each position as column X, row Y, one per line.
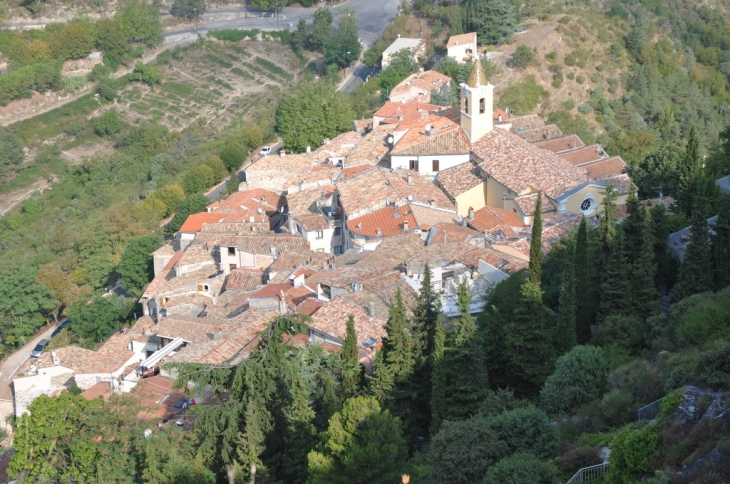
column 390, row 139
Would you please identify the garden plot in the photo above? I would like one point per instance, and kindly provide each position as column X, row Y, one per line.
column 213, row 84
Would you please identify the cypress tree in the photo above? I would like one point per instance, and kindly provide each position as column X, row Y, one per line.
column 633, row 226
column 721, row 244
column 582, row 284
column 606, row 227
column 660, row 234
column 528, row 345
column 465, row 377
column 688, row 171
column 644, row 294
column 493, row 326
column 438, row 381
column 695, row 273
column 565, row 337
column 536, row 254
column 394, row 364
column 349, row 386
column 616, row 283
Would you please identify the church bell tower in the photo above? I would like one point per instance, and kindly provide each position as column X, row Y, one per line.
column 477, row 103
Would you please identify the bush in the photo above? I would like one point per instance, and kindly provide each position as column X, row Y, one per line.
column 520, row 469
column 498, row 401
column 617, row 407
column 198, row 179
column 194, row 203
column 585, row 108
column 147, row 73
column 522, row 97
column 705, row 322
column 596, row 78
column 74, row 83
column 218, row 168
column 99, row 72
column 570, row 76
column 677, row 379
column 631, row 450
column 526, row 430
column 640, row 378
column 716, row 368
column 568, row 105
column 551, row 57
column 108, row 123
column 233, row 35
column 233, row 156
column 579, row 377
column 558, row 79
column 575, row 459
column 626, row 332
column 107, row 89
column 672, row 402
column 580, row 79
column 523, row 56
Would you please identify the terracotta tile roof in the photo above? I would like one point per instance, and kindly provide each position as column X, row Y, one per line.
column 293, row 259
column 166, row 281
column 528, row 203
column 305, row 203
column 492, row 219
column 522, row 167
column 537, row 134
column 427, row 217
column 166, row 249
column 420, row 84
column 189, row 329
column 101, row 389
column 383, row 298
column 194, row 222
column 459, row 179
column 440, row 254
column 448, row 139
column 244, row 278
column 419, row 188
column 354, row 171
column 373, row 147
column 443, row 233
column 244, row 330
column 280, row 173
column 531, row 121
column 365, row 276
column 622, row 210
column 331, row 319
column 187, row 305
column 249, row 215
column 309, row 306
column 391, row 252
column 470, row 38
column 395, row 112
column 362, row 126
column 236, row 228
column 157, row 398
column 194, row 255
column 255, row 198
column 553, row 229
column 313, row 222
column 384, row 222
column 608, row 167
column 263, row 244
column 584, row 154
column 563, row 143
column 500, row 112
column 622, row 182
column 340, row 146
column 504, row 262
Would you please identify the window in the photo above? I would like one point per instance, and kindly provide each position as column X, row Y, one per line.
column 231, row 251
column 414, row 165
column 320, row 250
column 338, row 231
column 338, row 249
column 320, row 234
column 435, row 164
column 231, row 266
column 299, row 228
column 482, row 106
column 466, row 105
column 588, row 205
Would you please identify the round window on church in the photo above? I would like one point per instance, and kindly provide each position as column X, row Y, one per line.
column 588, row 205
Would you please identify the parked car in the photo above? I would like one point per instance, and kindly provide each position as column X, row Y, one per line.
column 265, row 151
column 38, row 350
column 60, row 327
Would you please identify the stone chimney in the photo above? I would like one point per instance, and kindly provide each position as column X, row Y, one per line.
column 371, row 309
column 405, row 225
column 217, row 333
column 471, row 214
column 282, row 303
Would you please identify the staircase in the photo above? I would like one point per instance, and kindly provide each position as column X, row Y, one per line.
column 588, row 474
column 666, row 301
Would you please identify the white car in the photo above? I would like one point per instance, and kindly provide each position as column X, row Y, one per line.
column 265, row 151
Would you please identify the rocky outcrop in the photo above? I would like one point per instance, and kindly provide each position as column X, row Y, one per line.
column 700, row 404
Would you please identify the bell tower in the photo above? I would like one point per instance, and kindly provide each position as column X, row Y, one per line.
column 477, row 103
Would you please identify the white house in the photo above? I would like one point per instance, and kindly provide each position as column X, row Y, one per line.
column 462, row 47
column 416, row 46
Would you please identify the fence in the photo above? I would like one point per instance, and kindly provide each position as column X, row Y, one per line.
column 651, row 411
column 588, row 474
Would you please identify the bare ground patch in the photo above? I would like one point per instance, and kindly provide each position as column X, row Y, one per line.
column 76, row 156
column 11, row 199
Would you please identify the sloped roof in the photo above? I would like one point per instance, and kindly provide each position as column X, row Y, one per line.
column 262, row 244
column 560, row 144
column 331, row 319
column 454, row 40
column 492, row 219
column 244, row 278
column 195, row 222
column 443, row 233
column 540, row 133
column 459, row 179
column 384, row 222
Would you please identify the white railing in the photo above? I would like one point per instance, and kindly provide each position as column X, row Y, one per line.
column 588, row 474
column 649, row 412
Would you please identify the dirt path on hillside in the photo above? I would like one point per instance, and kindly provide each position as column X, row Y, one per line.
column 11, row 199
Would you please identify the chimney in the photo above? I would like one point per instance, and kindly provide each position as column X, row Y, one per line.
column 273, row 250
column 408, row 178
column 145, row 329
column 282, row 153
column 471, row 213
column 217, row 333
column 215, row 300
column 251, row 219
column 371, row 309
column 405, row 225
column 309, row 149
column 500, row 118
column 378, row 232
column 282, row 303
column 399, row 36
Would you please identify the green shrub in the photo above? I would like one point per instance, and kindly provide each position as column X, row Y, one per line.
column 580, row 79
column 233, row 35
column 182, row 90
column 273, row 68
column 617, row 407
column 570, row 59
column 596, row 78
column 571, row 76
column 526, row 430
column 551, row 57
column 705, row 322
column 677, row 379
column 580, row 376
column 631, row 450
column 715, row 368
column 672, row 402
column 585, row 108
column 568, row 105
column 108, row 123
column 558, row 79
column 578, row 458
column 520, row 469
column 522, row 97
column 523, row 56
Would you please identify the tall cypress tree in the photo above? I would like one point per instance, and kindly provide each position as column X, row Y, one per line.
column 607, row 228
column 528, row 345
column 394, row 364
column 696, row 271
column 349, row 386
column 493, row 327
column 438, row 381
column 688, row 171
column 660, row 233
column 721, row 244
column 644, row 294
column 616, row 283
column 633, row 226
column 426, row 318
column 465, row 377
column 565, row 337
column 582, row 284
column 536, row 254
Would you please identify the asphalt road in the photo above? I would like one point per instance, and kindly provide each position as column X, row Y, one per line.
column 10, row 364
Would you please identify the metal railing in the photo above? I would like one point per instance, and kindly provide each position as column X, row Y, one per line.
column 649, row 412
column 588, row 474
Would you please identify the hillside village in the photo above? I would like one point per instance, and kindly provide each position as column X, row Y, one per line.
column 441, row 290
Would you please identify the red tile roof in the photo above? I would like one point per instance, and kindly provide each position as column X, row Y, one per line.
column 540, row 133
column 492, row 219
column 244, row 278
column 331, row 319
column 384, row 222
column 584, row 154
column 608, row 167
column 459, row 179
column 254, row 198
column 443, row 233
column 470, row 38
column 563, row 143
column 395, row 112
column 195, row 222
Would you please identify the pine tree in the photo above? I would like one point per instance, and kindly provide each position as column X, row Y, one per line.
column 349, row 386
column 394, row 364
column 582, row 284
column 536, row 254
column 465, row 376
column 644, row 294
column 688, row 172
column 438, row 381
column 633, row 226
column 616, row 282
column 695, row 273
column 660, row 234
column 528, row 345
column 493, row 327
column 565, row 336
column 721, row 244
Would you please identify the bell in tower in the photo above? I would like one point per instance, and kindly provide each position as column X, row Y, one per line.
column 477, row 103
